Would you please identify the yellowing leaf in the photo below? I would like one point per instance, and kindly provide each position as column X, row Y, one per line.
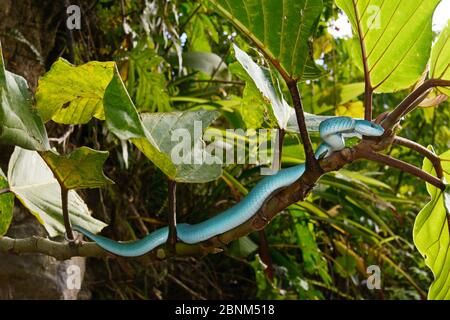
column 33, row 183
column 80, row 169
column 351, row 109
column 73, row 94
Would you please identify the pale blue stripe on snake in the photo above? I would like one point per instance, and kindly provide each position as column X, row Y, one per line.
column 332, row 131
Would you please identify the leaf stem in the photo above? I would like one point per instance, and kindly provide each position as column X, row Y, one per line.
column 423, row 151
column 311, row 161
column 401, row 165
column 265, row 254
column 368, row 90
column 172, row 238
column 406, row 105
column 65, row 211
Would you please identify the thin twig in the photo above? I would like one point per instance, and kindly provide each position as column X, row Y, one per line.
column 423, row 151
column 185, row 287
column 405, row 106
column 311, row 162
column 368, row 90
column 172, row 238
column 65, row 211
column 399, row 164
column 265, row 254
column 231, row 82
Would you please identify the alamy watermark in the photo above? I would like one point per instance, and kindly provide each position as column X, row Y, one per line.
column 73, row 280
column 374, row 278
column 73, row 21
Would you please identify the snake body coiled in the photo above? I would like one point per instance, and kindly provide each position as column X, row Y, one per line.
column 332, row 131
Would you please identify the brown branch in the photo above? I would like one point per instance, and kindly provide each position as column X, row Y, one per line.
column 172, row 238
column 368, row 90
column 65, row 211
column 405, row 106
column 264, row 253
column 405, row 167
column 6, row 190
column 423, row 151
column 311, row 162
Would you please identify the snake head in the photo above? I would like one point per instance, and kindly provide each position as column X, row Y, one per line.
column 367, row 128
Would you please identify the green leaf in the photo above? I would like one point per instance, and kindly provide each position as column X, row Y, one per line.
column 431, row 233
column 351, row 91
column 345, row 265
column 397, row 37
column 440, row 58
column 152, row 133
column 82, row 168
column 280, row 107
column 122, row 117
column 33, row 183
column 312, row 257
column 188, row 127
column 73, row 94
column 251, row 106
column 281, row 29
column 19, row 122
column 6, row 205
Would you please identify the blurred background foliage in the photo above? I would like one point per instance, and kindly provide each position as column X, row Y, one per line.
column 176, row 55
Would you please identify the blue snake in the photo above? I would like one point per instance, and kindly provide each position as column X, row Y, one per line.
column 332, row 131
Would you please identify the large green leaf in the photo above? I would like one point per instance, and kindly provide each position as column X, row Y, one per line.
column 73, row 94
column 19, row 122
column 397, row 37
column 122, row 117
column 432, row 235
column 83, row 168
column 33, row 183
column 6, row 205
column 280, row 107
column 281, row 29
column 440, row 58
column 152, row 133
column 186, row 125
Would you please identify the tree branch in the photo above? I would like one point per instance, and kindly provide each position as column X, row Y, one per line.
column 172, row 238
column 311, row 162
column 405, row 106
column 65, row 211
column 64, row 251
column 276, row 203
column 368, row 90
column 405, row 167
column 423, row 151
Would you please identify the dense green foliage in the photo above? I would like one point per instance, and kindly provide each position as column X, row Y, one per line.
column 175, row 63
